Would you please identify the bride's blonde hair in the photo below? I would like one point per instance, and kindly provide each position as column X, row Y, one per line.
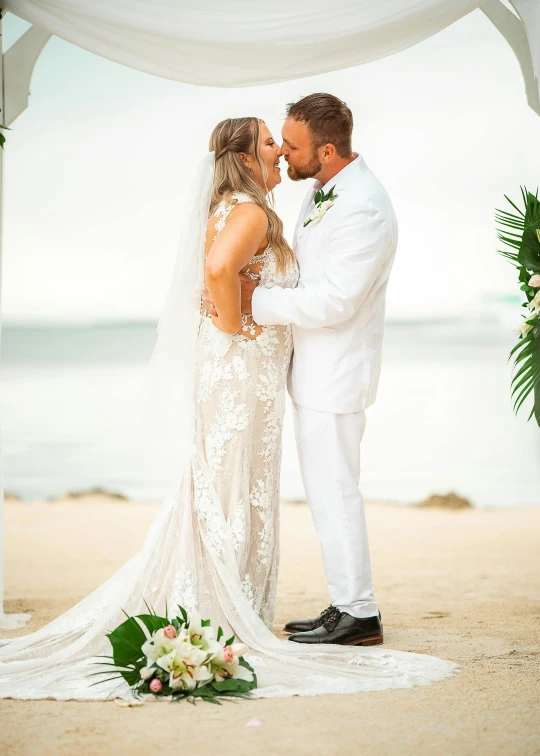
column 228, row 140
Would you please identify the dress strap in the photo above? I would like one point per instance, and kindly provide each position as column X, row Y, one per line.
column 241, row 197
column 223, row 210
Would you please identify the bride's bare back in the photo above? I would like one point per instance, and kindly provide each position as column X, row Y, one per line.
column 254, row 268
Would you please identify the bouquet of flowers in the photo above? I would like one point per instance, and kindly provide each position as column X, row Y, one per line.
column 521, row 232
column 182, row 657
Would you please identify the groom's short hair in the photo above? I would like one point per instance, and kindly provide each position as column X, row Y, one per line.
column 328, row 118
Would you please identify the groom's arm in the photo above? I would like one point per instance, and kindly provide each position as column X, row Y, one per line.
column 356, row 250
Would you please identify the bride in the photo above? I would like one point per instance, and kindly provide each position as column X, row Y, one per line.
column 218, row 387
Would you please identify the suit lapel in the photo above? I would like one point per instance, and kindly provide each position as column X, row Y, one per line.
column 300, row 228
column 340, row 180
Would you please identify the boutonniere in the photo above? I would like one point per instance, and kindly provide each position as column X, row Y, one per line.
column 323, row 203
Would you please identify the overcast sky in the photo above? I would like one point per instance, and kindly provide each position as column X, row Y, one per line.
column 98, row 166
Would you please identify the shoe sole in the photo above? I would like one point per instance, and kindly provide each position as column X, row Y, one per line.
column 376, row 640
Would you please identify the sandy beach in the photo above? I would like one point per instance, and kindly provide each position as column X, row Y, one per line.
column 463, row 585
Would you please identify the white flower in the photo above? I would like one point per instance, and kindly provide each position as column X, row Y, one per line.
column 167, row 662
column 534, row 304
column 188, row 669
column 534, row 281
column 523, row 329
column 316, row 215
column 223, row 669
column 146, row 673
column 158, row 646
column 190, row 678
column 203, row 638
column 319, row 212
column 184, row 657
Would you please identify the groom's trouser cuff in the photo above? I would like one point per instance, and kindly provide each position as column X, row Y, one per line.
column 329, row 453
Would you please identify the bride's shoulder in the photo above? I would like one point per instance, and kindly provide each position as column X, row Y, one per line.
column 249, row 206
column 241, row 197
column 248, row 215
column 251, row 215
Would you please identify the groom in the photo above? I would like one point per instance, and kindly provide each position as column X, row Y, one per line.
column 345, row 241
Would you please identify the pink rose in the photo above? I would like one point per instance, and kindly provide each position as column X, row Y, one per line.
column 228, row 654
column 156, row 686
column 169, row 631
column 535, row 281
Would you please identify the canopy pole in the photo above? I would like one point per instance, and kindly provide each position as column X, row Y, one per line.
column 514, row 32
column 16, row 67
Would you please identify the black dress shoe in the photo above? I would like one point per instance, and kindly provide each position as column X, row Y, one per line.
column 344, row 630
column 304, row 626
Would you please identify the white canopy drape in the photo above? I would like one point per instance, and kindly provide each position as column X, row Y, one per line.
column 242, row 42
column 245, row 42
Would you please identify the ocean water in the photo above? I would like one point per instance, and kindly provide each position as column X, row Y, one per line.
column 442, row 422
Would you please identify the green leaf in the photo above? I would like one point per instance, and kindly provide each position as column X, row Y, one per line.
column 230, row 641
column 126, row 641
column 526, row 343
column 219, row 633
column 231, row 684
column 522, row 232
column 247, row 665
column 515, row 206
column 183, row 613
column 526, row 366
column 206, row 693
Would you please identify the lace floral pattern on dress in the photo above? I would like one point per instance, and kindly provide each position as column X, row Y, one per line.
column 240, row 391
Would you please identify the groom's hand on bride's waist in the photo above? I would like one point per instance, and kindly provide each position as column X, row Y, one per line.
column 248, row 286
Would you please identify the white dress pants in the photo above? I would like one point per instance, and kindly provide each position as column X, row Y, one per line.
column 329, row 453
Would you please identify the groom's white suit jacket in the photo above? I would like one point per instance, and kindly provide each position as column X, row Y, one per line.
column 337, row 310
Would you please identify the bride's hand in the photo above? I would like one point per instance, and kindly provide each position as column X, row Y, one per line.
column 209, row 303
column 217, row 322
column 211, row 310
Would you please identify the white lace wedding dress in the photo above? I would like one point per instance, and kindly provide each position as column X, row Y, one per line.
column 215, row 542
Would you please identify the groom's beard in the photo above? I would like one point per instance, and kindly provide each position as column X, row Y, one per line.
column 305, row 171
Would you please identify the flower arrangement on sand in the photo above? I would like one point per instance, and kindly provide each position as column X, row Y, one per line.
column 182, row 657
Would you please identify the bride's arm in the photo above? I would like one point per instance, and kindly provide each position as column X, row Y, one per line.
column 237, row 243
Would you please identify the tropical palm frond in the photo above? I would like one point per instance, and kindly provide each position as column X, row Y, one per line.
column 521, row 231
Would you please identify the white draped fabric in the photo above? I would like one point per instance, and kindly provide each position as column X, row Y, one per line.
column 243, row 43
